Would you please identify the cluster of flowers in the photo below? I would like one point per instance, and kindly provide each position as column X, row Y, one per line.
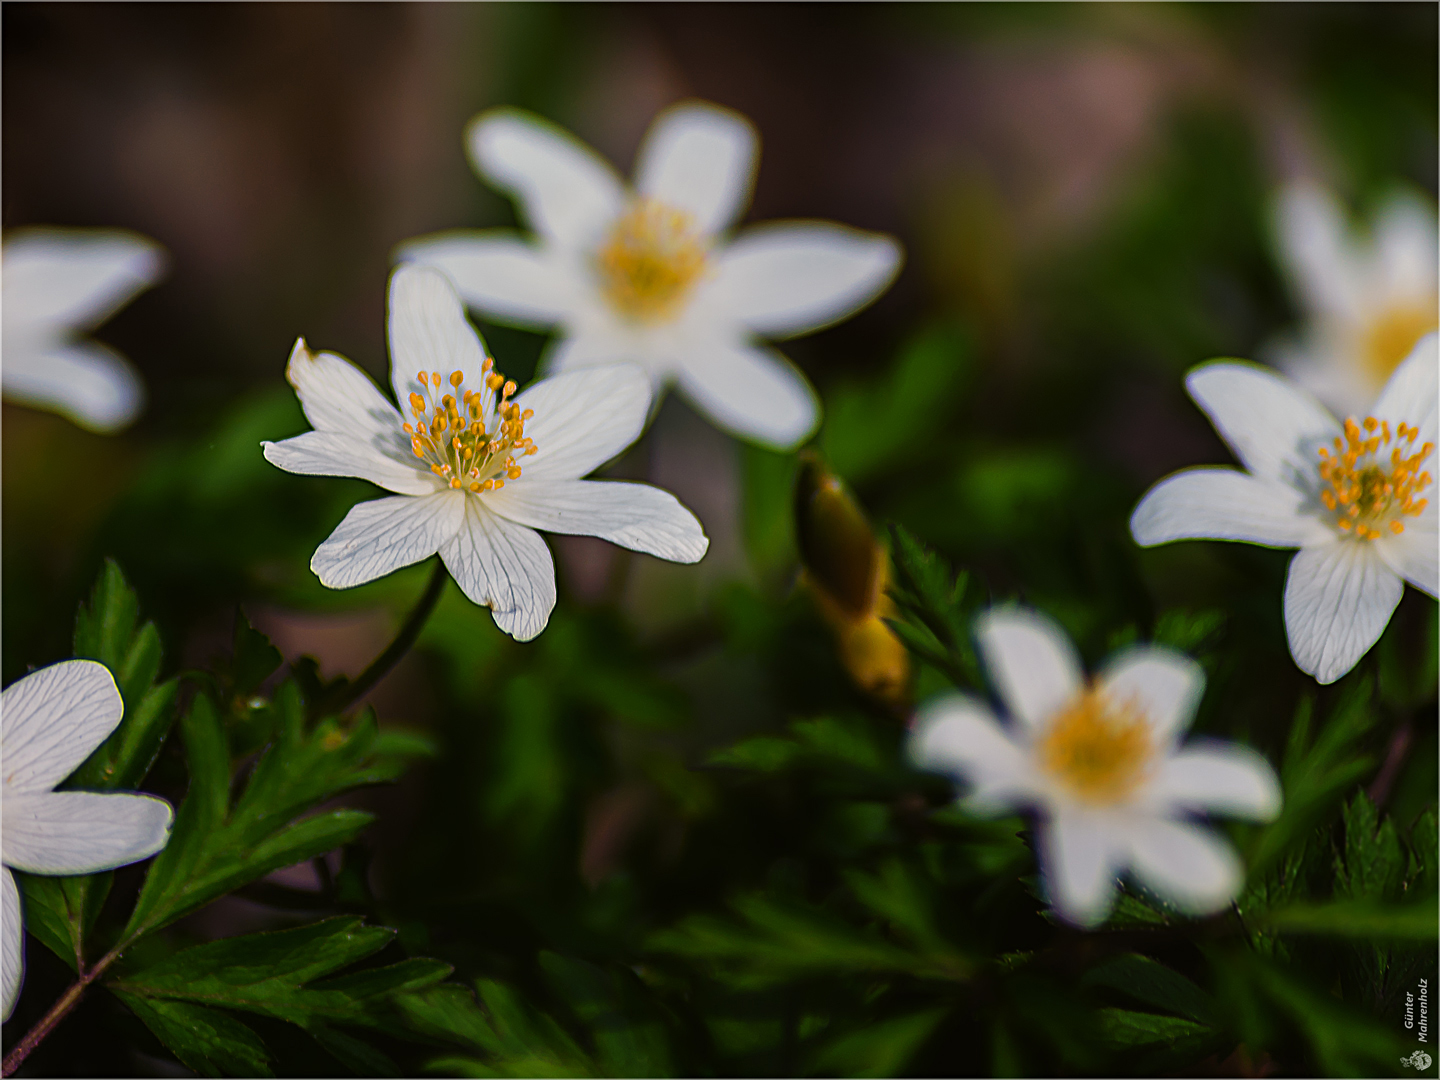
column 648, row 289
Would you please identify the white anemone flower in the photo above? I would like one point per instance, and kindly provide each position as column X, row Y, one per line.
column 50, row 722
column 1101, row 764
column 1351, row 496
column 55, row 284
column 475, row 469
column 1368, row 298
column 649, row 273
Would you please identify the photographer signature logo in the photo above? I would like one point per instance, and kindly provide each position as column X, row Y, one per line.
column 1418, row 1060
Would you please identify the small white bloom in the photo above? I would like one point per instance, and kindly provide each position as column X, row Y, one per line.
column 475, row 472
column 647, row 274
column 57, row 284
column 50, row 722
column 1102, row 765
column 1368, row 298
column 1350, row 496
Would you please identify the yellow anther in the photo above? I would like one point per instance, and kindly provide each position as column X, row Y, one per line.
column 527, row 414
column 513, row 472
column 474, row 487
column 509, row 387
column 487, row 365
column 435, row 378
column 494, row 382
column 455, row 483
column 417, row 402
column 456, row 378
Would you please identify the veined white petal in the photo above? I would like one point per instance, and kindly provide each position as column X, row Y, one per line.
column 750, row 391
column 583, row 418
column 1273, row 425
column 1215, row 503
column 790, row 278
column 505, row 567
column 1415, row 553
column 1410, row 394
column 1338, row 598
column 1186, row 864
column 1406, row 244
column 957, row 735
column 1032, row 663
column 1318, row 253
column 73, row 279
column 567, row 192
column 337, row 396
column 86, row 382
column 382, row 535
column 1079, row 862
column 329, row 453
column 12, row 939
column 429, row 332
column 701, row 159
column 81, row 832
column 51, row 721
column 636, row 516
column 497, row 272
column 1221, row 778
column 1163, row 684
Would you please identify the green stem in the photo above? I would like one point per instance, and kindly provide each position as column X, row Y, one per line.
column 47, row 1023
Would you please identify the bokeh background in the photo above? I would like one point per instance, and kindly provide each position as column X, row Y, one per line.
column 1083, row 192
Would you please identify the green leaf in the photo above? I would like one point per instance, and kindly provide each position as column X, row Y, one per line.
column 627, row 1043
column 1361, row 919
column 207, row 1042
column 50, row 916
column 1152, row 983
column 255, row 659
column 940, row 608
column 1372, row 863
column 1126, row 1029
column 881, row 1048
column 898, row 895
column 509, row 1037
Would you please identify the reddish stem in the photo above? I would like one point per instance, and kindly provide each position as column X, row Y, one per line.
column 47, row 1023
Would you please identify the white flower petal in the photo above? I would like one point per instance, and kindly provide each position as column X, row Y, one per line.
column 505, row 567
column 507, row 278
column 1415, row 553
column 1221, row 778
column 86, row 382
column 1318, row 253
column 793, row 277
column 429, row 332
column 1186, row 864
column 750, row 391
column 568, row 193
column 1273, row 425
column 12, row 942
column 337, row 396
column 582, row 419
column 1079, row 862
column 1213, row 503
column 328, row 453
column 51, row 721
column 81, row 832
column 589, row 347
column 1407, row 247
column 1338, row 598
column 956, row 735
column 1161, row 683
column 1410, row 394
column 382, row 535
column 636, row 516
column 73, row 279
column 701, row 159
column 1033, row 665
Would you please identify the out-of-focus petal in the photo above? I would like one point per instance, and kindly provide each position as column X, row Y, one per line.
column 1274, row 426
column 567, row 192
column 65, row 280
column 957, row 736
column 52, row 719
column 1162, row 684
column 12, row 942
column 505, row 567
column 1415, row 553
column 583, row 418
column 1407, row 247
column 328, row 453
column 636, row 516
column 1186, row 864
column 82, row 832
column 1221, row 778
column 1338, row 599
column 1317, row 251
column 1225, row 504
column 750, row 391
column 86, row 382
column 429, row 332
column 509, row 279
column 382, row 535
column 1079, row 861
column 701, row 159
column 1410, row 393
column 793, row 277
column 1032, row 663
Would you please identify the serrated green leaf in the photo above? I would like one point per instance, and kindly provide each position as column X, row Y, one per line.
column 103, row 629
column 879, row 1049
column 509, row 1037
column 206, row 1041
column 1360, row 919
column 626, row 1044
column 1152, row 983
column 898, row 895
column 356, row 1055
column 255, row 659
column 50, row 917
column 123, row 760
column 1372, row 864
column 1125, row 1029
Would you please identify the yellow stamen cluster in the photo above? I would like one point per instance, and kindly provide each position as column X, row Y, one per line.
column 450, row 432
column 1097, row 748
column 1368, row 490
column 1391, row 337
column 652, row 259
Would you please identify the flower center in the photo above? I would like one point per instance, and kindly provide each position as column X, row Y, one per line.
column 1391, row 337
column 651, row 261
column 471, row 440
column 1369, row 490
column 1097, row 748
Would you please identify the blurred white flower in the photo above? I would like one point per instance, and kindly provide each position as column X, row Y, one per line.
column 50, row 722
column 55, row 284
column 1368, row 298
column 1102, row 765
column 647, row 274
column 1349, row 496
column 475, row 472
